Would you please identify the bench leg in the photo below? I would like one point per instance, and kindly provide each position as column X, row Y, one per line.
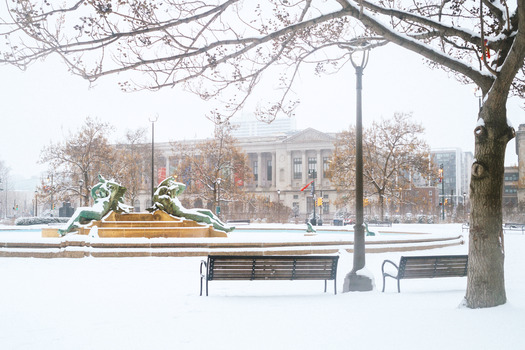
column 398, row 288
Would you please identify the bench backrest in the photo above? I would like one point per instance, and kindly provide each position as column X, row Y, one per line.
column 433, row 266
column 272, row 267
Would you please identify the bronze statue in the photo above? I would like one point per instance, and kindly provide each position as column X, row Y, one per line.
column 165, row 198
column 107, row 195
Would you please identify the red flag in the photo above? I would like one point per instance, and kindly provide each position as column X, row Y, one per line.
column 305, row 187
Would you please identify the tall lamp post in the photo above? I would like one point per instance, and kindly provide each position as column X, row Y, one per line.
column 218, row 207
column 353, row 281
column 50, row 178
column 1, row 204
column 479, row 95
column 442, row 180
column 278, row 206
column 153, row 119
column 80, row 183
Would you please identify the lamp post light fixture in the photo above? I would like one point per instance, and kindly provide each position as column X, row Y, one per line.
column 353, row 281
column 153, row 119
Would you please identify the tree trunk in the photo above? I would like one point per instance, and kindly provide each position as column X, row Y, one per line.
column 486, row 284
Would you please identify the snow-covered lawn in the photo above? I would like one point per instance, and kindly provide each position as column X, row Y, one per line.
column 154, row 303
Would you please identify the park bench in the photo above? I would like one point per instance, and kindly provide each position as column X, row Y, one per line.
column 245, row 221
column 427, row 267
column 379, row 223
column 514, row 227
column 251, row 268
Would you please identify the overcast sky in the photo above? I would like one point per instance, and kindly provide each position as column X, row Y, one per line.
column 45, row 103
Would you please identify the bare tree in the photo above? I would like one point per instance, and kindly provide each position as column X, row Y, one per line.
column 213, row 47
column 214, row 170
column 4, row 188
column 394, row 155
column 132, row 163
column 79, row 159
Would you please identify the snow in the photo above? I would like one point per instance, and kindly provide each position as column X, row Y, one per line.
column 154, row 303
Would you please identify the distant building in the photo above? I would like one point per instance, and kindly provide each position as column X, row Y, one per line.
column 282, row 164
column 248, row 126
column 510, row 186
column 456, row 173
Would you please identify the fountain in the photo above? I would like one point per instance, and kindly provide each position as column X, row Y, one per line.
column 109, row 217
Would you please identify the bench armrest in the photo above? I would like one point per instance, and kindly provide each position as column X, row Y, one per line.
column 204, row 275
column 386, row 274
column 383, row 268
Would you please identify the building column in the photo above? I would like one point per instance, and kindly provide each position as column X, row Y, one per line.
column 259, row 170
column 274, row 170
column 289, row 160
column 319, row 168
column 305, row 167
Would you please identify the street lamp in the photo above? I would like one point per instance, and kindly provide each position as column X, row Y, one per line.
column 479, row 95
column 36, row 203
column 442, row 180
column 153, row 119
column 50, row 179
column 354, row 282
column 464, row 205
column 278, row 206
column 218, row 207
column 80, row 183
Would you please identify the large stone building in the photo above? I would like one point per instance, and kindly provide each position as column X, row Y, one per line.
column 282, row 164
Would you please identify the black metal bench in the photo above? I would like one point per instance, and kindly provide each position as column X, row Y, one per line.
column 427, row 267
column 230, row 267
column 514, row 227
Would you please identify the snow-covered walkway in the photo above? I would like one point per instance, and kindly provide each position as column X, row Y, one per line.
column 154, row 303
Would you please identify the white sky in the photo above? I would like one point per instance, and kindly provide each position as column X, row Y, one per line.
column 46, row 102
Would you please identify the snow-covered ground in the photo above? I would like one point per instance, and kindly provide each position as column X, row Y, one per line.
column 154, row 303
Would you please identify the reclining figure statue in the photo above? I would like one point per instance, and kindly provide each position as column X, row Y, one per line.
column 165, row 198
column 108, row 195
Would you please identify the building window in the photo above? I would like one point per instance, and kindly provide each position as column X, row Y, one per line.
column 326, row 204
column 269, row 170
column 296, row 196
column 312, row 167
column 326, row 166
column 297, row 168
column 255, row 171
